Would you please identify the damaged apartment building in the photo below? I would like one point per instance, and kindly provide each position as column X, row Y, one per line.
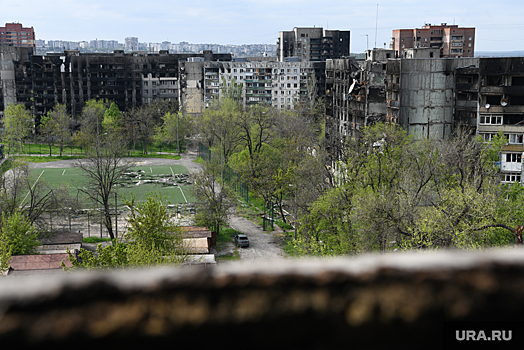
column 355, row 95
column 72, row 78
column 430, row 98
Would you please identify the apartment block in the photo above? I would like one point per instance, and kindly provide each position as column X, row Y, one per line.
column 277, row 84
column 13, row 34
column 131, row 44
column 313, row 44
column 72, row 78
column 451, row 40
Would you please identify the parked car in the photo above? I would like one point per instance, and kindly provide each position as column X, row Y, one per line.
column 241, row 241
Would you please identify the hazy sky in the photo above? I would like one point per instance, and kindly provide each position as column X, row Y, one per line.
column 499, row 25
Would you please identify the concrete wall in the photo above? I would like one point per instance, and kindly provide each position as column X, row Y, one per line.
column 426, row 95
column 401, row 301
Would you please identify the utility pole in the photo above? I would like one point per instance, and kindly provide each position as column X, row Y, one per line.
column 367, row 41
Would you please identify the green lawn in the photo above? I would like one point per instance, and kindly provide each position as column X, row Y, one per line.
column 138, row 186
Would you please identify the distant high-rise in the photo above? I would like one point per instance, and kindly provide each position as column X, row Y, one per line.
column 131, row 44
column 313, row 44
column 13, row 34
column 452, row 40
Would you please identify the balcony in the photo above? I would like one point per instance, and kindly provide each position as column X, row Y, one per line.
column 501, row 110
column 393, row 104
column 499, row 90
column 462, row 104
column 467, row 87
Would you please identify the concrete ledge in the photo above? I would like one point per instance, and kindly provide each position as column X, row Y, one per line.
column 399, row 300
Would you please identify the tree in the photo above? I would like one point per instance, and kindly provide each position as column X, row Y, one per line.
column 56, row 126
column 47, row 129
column 90, row 124
column 61, row 125
column 30, row 195
column 17, row 124
column 103, row 169
column 214, row 200
column 112, row 120
column 220, row 128
column 174, row 128
column 152, row 239
column 5, row 253
column 140, row 123
column 394, row 192
column 20, row 235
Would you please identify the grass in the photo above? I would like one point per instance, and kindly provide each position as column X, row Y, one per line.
column 68, row 151
column 7, row 165
column 284, row 225
column 74, row 179
column 229, row 256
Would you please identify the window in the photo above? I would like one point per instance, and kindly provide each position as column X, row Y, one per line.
column 486, row 137
column 513, row 157
column 511, row 178
column 491, row 119
column 515, row 138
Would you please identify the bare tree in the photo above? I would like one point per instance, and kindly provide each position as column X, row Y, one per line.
column 102, row 170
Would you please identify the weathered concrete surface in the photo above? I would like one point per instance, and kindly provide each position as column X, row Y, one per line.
column 398, row 301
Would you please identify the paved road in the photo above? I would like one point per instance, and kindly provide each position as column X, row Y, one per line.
column 262, row 246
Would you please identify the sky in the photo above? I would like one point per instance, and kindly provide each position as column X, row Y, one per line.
column 499, row 26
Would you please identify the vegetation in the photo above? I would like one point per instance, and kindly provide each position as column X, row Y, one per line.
column 151, row 240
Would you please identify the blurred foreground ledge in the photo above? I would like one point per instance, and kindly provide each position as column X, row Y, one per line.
column 368, row 301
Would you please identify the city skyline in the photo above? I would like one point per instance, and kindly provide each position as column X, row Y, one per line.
column 256, row 22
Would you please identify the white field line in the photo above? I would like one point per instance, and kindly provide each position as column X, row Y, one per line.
column 64, row 172
column 151, row 169
column 22, row 202
column 172, row 172
column 182, row 193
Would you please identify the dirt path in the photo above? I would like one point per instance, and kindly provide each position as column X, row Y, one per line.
column 262, row 246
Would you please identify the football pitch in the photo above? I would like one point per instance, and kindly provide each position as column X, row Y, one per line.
column 170, row 181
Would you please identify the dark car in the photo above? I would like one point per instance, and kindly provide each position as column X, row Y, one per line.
column 241, row 241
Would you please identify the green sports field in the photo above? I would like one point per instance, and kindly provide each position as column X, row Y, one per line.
column 168, row 180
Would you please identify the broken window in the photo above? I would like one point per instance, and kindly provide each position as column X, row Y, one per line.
column 517, row 100
column 517, row 81
column 493, row 99
column 494, row 80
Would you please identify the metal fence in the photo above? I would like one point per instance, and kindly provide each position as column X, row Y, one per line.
column 234, row 180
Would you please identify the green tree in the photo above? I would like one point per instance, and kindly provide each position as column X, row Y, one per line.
column 152, row 239
column 18, row 124
column 5, row 253
column 220, row 128
column 90, row 132
column 174, row 128
column 20, row 234
column 112, row 120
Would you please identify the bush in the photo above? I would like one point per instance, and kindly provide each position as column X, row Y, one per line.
column 284, row 225
column 94, row 240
